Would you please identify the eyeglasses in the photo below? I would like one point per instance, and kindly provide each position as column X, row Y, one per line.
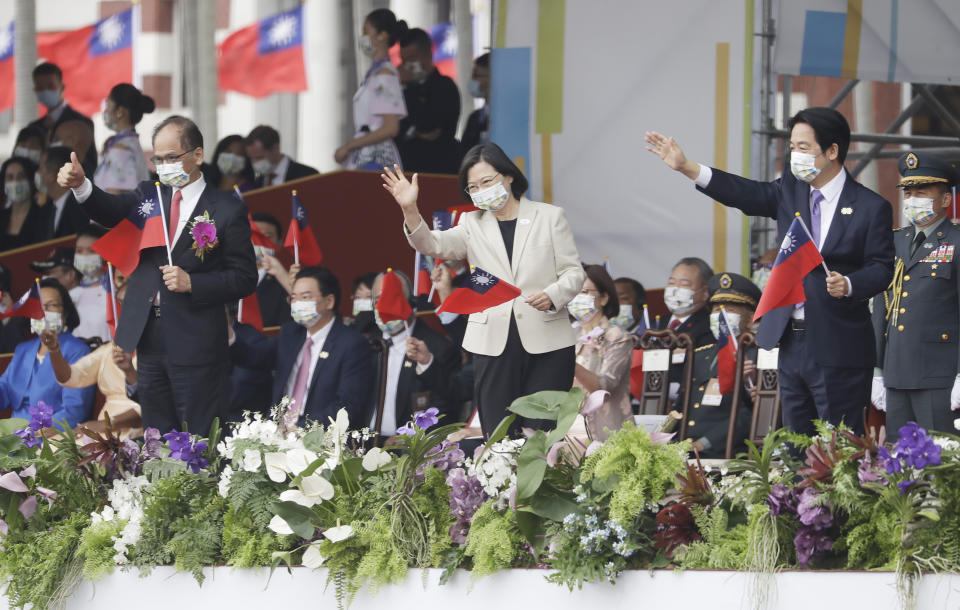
column 169, row 158
column 484, row 184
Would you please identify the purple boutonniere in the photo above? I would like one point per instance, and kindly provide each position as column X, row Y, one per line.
column 204, row 233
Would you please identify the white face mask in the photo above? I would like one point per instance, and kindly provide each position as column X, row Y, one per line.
column 172, row 174
column 366, row 45
column 583, row 307
column 678, row 300
column 391, row 328
column 362, row 305
column 27, row 153
column 733, row 321
column 88, row 264
column 473, row 86
column 304, row 312
column 919, row 210
column 624, row 319
column 51, row 321
column 263, row 167
column 492, row 198
column 38, row 182
column 49, row 97
column 803, row 166
column 17, row 191
column 416, row 71
column 108, row 121
column 230, row 163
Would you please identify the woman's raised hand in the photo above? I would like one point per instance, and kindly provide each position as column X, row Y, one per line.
column 403, row 190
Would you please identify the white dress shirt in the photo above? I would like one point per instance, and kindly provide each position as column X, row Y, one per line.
column 279, row 173
column 398, row 352
column 318, row 338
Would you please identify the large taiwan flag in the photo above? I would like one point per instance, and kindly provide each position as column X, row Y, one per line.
column 481, row 291
column 798, row 255
column 93, row 59
column 7, row 90
column 265, row 57
column 444, row 36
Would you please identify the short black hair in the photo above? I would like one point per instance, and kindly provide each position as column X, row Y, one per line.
column 639, row 292
column 327, row 283
column 384, row 20
column 30, row 132
column 418, row 38
column 829, row 128
column 6, row 279
column 46, row 69
column 268, row 218
column 266, row 135
column 29, row 168
column 483, row 61
column 92, row 230
column 494, row 155
column 125, row 95
column 604, row 283
column 705, row 270
column 366, row 279
column 190, row 136
column 71, row 319
column 56, row 157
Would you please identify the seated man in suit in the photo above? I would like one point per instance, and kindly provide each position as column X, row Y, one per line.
column 69, row 216
column 686, row 297
column 317, row 361
column 709, row 414
column 48, row 85
column 271, row 166
column 421, row 371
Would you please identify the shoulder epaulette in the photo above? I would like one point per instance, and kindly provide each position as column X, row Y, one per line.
column 703, row 347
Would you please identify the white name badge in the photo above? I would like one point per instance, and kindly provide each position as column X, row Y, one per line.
column 767, row 359
column 678, row 356
column 712, row 396
column 656, row 360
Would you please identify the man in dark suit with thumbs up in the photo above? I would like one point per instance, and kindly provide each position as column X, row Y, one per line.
column 173, row 309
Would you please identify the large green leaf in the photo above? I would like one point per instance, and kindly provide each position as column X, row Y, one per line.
column 498, row 434
column 547, row 404
column 313, row 440
column 9, row 426
column 301, row 519
column 551, row 504
column 531, row 465
column 532, row 528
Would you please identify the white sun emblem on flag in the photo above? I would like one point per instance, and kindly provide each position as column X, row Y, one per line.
column 300, row 213
column 787, row 244
column 145, row 208
column 110, row 32
column 449, row 45
column 482, row 279
column 282, row 31
column 6, row 40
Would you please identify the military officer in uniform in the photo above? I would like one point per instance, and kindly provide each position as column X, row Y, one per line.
column 917, row 319
column 709, row 414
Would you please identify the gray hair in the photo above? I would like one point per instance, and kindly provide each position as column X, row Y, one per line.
column 706, row 272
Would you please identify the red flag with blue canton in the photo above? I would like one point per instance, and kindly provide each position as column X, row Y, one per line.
column 7, row 89
column 93, row 59
column 142, row 228
column 443, row 220
column 726, row 356
column 480, row 292
column 392, row 304
column 265, row 57
column 421, row 281
column 111, row 302
column 29, row 305
column 300, row 235
column 444, row 37
column 798, row 255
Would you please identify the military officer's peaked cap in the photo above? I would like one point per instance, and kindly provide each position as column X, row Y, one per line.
column 919, row 167
column 733, row 288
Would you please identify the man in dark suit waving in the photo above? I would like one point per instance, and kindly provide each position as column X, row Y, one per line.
column 827, row 347
column 173, row 314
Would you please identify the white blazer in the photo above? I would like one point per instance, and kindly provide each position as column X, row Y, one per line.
column 545, row 258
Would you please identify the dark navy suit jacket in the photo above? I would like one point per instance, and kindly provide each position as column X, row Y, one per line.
column 342, row 380
column 858, row 245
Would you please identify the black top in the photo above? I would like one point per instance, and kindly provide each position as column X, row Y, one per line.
column 431, row 104
column 507, row 230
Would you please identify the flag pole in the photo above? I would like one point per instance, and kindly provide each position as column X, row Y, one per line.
column 163, row 219
column 815, row 244
column 296, row 237
column 416, row 273
column 113, row 298
column 240, row 312
column 646, row 317
column 236, row 190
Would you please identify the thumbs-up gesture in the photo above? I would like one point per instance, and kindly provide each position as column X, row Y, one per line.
column 71, row 175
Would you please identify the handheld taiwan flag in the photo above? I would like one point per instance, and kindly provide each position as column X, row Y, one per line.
column 93, row 59
column 443, row 220
column 392, row 304
column 636, row 361
column 726, row 355
column 265, row 57
column 481, row 291
column 113, row 308
column 29, row 305
column 421, row 280
column 7, row 90
column 798, row 255
column 261, row 243
column 300, row 240
column 143, row 228
column 248, row 312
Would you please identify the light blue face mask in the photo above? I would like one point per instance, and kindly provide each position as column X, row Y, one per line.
column 624, row 318
column 392, row 327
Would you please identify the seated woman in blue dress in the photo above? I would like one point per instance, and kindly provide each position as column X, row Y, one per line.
column 29, row 377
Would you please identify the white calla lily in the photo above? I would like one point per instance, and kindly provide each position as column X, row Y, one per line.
column 279, row 526
column 375, row 458
column 315, row 486
column 295, row 495
column 336, row 534
column 298, row 459
column 312, row 558
column 276, row 466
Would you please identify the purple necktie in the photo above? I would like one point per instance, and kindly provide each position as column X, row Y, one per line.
column 815, row 199
column 300, row 387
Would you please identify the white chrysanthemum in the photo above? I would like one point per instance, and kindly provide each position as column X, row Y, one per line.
column 252, row 460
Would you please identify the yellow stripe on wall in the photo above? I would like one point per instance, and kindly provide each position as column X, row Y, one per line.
column 546, row 159
column 851, row 39
column 721, row 125
column 501, row 40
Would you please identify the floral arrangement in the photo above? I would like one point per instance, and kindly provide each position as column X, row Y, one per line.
column 204, row 233
column 323, row 495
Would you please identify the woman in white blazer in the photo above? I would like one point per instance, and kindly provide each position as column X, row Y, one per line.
column 525, row 345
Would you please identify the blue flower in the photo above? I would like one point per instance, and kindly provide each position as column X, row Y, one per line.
column 889, row 462
column 28, row 438
column 41, row 416
column 177, row 441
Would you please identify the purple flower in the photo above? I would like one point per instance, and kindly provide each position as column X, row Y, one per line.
column 425, row 419
column 151, row 443
column 181, row 449
column 905, row 486
column 466, row 496
column 443, row 457
column 28, row 437
column 782, row 500
column 41, row 416
column 866, row 473
column 406, row 430
column 890, row 463
column 809, row 542
column 204, row 234
column 177, row 441
column 814, row 510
